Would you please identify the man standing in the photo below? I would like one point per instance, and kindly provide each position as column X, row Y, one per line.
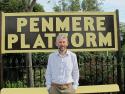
column 62, row 74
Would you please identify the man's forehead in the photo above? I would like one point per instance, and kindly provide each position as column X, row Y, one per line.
column 62, row 39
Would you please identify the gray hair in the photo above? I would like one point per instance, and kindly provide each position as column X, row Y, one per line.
column 61, row 36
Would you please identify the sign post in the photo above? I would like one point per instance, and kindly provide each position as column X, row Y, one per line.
column 1, row 65
column 119, row 75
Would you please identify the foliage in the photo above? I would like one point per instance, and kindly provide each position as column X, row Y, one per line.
column 38, row 8
column 57, row 8
column 75, row 5
column 18, row 6
column 122, row 27
column 91, row 5
column 67, row 5
column 122, row 34
column 123, row 50
column 12, row 5
column 61, row 6
column 16, row 84
column 40, row 59
column 123, row 45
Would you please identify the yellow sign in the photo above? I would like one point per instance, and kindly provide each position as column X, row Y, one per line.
column 36, row 32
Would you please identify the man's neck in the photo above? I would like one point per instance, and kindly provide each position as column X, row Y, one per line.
column 62, row 52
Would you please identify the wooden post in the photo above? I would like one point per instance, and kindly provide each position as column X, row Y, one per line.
column 30, row 79
column 1, row 72
column 29, row 55
column 1, row 65
column 119, row 80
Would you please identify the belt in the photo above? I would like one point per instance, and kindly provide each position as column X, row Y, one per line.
column 62, row 86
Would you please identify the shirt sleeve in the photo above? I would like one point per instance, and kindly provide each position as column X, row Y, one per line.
column 75, row 73
column 48, row 74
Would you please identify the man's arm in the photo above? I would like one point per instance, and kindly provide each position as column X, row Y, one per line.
column 75, row 73
column 48, row 74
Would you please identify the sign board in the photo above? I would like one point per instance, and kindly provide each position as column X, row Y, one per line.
column 36, row 32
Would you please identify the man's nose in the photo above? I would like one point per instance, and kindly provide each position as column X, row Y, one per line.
column 62, row 43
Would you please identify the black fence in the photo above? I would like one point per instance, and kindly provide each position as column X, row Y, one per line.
column 94, row 70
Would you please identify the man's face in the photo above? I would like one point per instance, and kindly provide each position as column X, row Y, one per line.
column 62, row 44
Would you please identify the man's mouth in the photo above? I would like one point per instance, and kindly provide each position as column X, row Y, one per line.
column 62, row 47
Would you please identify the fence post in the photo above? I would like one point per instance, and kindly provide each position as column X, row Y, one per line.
column 1, row 72
column 119, row 80
column 1, row 65
column 124, row 72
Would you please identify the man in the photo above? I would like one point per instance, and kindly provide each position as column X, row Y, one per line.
column 62, row 72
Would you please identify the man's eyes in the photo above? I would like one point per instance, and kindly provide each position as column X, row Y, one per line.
column 62, row 42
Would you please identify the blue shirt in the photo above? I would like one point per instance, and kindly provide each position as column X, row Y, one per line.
column 62, row 70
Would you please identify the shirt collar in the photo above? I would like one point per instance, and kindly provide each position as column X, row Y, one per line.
column 67, row 52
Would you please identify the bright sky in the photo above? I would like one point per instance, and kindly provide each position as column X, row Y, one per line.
column 108, row 6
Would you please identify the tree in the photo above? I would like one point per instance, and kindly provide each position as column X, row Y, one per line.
column 75, row 5
column 61, row 6
column 20, row 6
column 12, row 5
column 78, row 5
column 38, row 8
column 56, row 8
column 122, row 35
column 67, row 5
column 29, row 7
column 91, row 5
column 122, row 27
